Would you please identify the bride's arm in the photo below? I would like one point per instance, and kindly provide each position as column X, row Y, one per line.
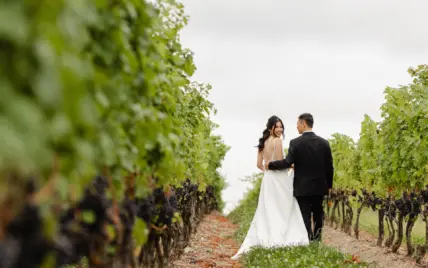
column 260, row 161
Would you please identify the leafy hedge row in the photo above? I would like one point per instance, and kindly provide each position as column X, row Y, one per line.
column 389, row 163
column 100, row 89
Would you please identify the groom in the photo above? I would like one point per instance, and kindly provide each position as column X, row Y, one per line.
column 313, row 173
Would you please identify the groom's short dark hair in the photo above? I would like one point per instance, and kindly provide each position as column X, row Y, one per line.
column 308, row 118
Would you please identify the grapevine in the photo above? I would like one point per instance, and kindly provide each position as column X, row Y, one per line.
column 109, row 148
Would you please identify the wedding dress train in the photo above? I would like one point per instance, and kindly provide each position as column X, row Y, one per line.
column 277, row 221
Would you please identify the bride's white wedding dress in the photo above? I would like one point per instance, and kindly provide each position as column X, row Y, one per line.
column 277, row 221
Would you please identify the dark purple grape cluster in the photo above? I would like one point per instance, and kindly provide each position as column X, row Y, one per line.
column 415, row 204
column 146, row 208
column 158, row 211
column 82, row 226
column 424, row 194
column 392, row 209
column 376, row 202
column 164, row 212
column 24, row 244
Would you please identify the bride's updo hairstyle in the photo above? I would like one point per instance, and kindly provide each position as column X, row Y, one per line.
column 266, row 133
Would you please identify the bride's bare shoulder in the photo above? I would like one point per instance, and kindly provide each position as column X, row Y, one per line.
column 273, row 141
column 277, row 141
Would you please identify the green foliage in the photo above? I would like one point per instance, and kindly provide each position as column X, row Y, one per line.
column 315, row 255
column 368, row 149
column 404, row 132
column 345, row 154
column 392, row 154
column 101, row 85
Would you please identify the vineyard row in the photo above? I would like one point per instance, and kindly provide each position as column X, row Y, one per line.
column 389, row 163
column 108, row 147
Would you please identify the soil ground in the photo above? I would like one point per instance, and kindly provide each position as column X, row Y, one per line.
column 212, row 245
column 365, row 248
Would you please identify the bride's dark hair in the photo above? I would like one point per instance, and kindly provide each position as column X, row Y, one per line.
column 266, row 133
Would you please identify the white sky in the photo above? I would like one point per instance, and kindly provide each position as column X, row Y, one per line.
column 285, row 57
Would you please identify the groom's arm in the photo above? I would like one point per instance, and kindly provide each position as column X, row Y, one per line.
column 285, row 163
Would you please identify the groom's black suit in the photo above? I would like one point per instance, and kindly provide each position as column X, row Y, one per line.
column 313, row 177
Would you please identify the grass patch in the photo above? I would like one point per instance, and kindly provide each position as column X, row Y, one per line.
column 314, row 255
column 244, row 212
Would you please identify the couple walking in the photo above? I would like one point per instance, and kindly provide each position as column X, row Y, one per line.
column 292, row 190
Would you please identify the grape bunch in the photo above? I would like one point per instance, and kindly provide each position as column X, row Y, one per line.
column 159, row 209
column 84, row 224
column 375, row 202
column 23, row 244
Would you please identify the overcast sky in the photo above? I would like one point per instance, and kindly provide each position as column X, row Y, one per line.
column 330, row 58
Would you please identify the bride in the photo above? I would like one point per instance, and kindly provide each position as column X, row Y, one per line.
column 277, row 221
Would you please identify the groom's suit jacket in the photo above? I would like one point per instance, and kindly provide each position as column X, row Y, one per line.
column 313, row 165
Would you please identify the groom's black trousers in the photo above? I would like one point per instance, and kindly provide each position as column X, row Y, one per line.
column 312, row 205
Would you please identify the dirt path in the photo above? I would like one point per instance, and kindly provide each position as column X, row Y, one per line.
column 211, row 246
column 365, row 248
